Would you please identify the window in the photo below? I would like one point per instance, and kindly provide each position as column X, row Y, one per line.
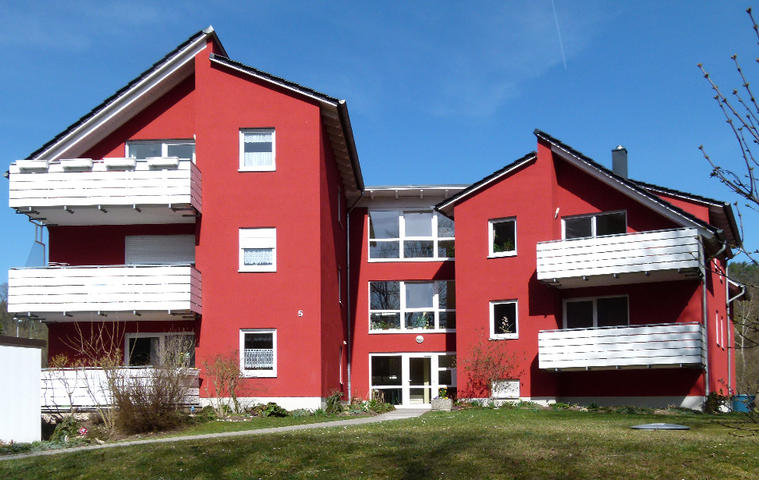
column 160, row 349
column 502, row 235
column 595, row 225
column 414, row 234
column 257, row 152
column 411, row 378
column 596, row 312
column 258, row 352
column 258, row 250
column 141, row 149
column 412, row 306
column 504, row 320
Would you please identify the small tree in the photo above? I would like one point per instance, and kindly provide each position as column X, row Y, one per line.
column 224, row 374
column 488, row 362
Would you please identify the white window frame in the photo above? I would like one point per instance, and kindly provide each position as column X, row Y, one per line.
column 404, row 310
column 404, row 386
column 268, row 168
column 593, row 217
column 504, row 336
column 164, row 145
column 491, row 236
column 434, row 238
column 258, row 373
column 161, row 340
column 595, row 310
column 258, row 237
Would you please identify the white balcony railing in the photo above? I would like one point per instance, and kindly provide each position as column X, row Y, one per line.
column 68, row 191
column 87, row 388
column 640, row 346
column 130, row 288
column 658, row 255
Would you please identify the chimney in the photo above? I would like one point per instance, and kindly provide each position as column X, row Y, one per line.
column 619, row 161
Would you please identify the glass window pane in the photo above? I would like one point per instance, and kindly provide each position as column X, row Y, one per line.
column 610, row 223
column 419, row 295
column 444, row 377
column 258, row 149
column 181, row 150
column 577, row 227
column 384, row 249
column 447, row 320
column 258, row 256
column 446, row 361
column 444, row 226
column 418, row 224
column 385, row 295
column 393, row 396
column 446, row 249
column 612, row 311
column 504, row 318
column 446, row 294
column 383, row 224
column 420, row 320
column 385, row 321
column 143, row 351
column 386, row 370
column 504, row 236
column 259, row 340
column 418, row 248
column 144, row 150
column 580, row 314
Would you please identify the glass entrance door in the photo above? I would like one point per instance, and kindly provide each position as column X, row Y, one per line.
column 419, row 380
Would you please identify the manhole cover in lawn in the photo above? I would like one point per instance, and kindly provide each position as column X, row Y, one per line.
column 660, row 426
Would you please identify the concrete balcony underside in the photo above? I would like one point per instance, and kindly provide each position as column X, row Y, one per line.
column 667, row 345
column 105, row 293
column 655, row 256
column 106, row 192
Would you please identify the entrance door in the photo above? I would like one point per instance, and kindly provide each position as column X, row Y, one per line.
column 419, row 384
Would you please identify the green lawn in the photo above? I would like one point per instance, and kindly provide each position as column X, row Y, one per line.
column 476, row 443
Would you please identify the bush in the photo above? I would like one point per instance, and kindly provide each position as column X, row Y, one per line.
column 66, row 429
column 271, row 409
column 334, row 403
column 715, row 403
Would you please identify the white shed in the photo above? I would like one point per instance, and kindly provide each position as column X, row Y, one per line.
column 20, row 402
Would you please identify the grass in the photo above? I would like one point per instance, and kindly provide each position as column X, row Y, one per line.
column 253, row 424
column 475, row 443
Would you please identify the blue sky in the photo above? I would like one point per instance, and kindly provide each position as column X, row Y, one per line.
column 439, row 92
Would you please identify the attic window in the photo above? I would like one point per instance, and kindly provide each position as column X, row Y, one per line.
column 595, row 225
column 257, row 153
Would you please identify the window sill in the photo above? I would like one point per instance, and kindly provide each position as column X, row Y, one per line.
column 504, row 337
column 258, row 375
column 257, row 271
column 502, row 255
column 409, row 260
column 409, row 332
column 268, row 169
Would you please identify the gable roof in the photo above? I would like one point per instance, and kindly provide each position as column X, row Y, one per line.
column 638, row 191
column 168, row 72
column 446, row 206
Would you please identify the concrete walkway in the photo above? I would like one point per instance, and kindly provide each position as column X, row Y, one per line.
column 399, row 414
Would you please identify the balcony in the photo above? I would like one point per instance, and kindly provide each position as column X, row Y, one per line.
column 112, row 191
column 655, row 256
column 663, row 345
column 105, row 293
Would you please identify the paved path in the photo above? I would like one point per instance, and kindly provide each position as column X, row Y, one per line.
column 394, row 415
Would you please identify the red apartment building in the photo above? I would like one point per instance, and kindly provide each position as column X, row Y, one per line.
column 213, row 202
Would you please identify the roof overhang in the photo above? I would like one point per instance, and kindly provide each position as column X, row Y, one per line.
column 113, row 113
column 335, row 118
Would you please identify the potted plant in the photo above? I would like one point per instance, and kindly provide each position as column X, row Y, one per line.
column 442, row 402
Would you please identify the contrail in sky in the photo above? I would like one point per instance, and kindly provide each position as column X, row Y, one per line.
column 558, row 31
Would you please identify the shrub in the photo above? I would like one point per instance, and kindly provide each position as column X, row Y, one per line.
column 560, row 406
column 271, row 409
column 224, row 373
column 715, row 403
column 334, row 403
column 67, row 428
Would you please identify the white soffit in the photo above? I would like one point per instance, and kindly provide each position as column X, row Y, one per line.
column 128, row 104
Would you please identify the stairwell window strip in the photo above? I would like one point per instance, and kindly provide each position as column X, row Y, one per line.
column 258, row 352
column 410, row 235
column 594, row 225
column 400, row 306
column 258, row 250
column 257, row 150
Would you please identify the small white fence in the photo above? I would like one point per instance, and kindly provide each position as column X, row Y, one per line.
column 639, row 346
column 88, row 388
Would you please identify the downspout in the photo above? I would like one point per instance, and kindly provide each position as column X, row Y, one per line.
column 348, row 292
column 729, row 314
column 705, row 314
